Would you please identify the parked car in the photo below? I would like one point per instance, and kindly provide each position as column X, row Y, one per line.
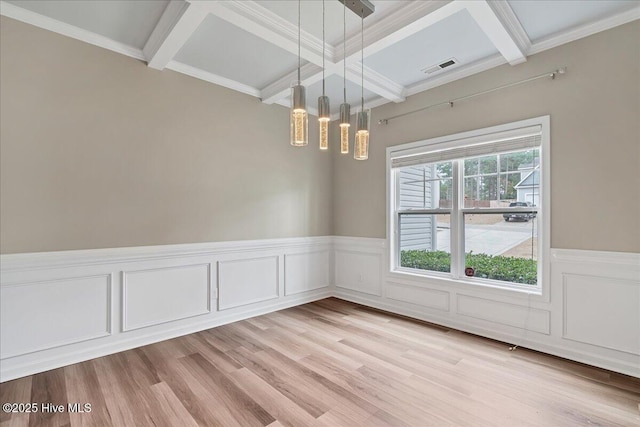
column 525, row 216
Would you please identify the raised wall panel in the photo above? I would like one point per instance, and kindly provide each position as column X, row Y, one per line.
column 430, row 298
column 514, row 315
column 42, row 315
column 602, row 311
column 247, row 281
column 151, row 297
column 306, row 271
column 358, row 271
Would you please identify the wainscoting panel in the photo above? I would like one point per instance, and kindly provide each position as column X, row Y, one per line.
column 591, row 315
column 65, row 307
column 247, row 281
column 42, row 315
column 513, row 315
column 358, row 271
column 152, row 297
column 306, row 271
column 430, row 298
column 60, row 308
column 586, row 321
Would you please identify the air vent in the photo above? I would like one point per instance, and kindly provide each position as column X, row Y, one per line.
column 435, row 68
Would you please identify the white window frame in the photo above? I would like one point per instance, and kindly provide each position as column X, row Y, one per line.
column 456, row 277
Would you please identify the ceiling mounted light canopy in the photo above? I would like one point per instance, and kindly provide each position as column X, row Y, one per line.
column 299, row 117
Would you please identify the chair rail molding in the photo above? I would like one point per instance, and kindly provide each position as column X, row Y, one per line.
column 92, row 303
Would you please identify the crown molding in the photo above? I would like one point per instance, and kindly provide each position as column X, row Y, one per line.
column 178, row 22
column 261, row 22
column 212, row 78
column 274, row 92
column 585, row 30
column 495, row 30
column 28, row 17
column 510, row 22
column 376, row 82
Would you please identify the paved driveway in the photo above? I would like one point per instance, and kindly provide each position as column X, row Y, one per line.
column 492, row 239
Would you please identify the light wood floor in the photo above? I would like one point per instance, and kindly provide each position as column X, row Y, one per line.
column 329, row 363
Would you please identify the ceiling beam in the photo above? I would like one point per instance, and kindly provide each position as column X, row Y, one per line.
column 274, row 92
column 510, row 22
column 375, row 82
column 496, row 31
column 399, row 25
column 178, row 22
column 253, row 18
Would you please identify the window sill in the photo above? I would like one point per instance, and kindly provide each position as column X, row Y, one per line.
column 443, row 279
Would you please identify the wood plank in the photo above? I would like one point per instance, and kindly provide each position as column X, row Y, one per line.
column 329, row 363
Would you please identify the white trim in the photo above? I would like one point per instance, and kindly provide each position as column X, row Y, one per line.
column 409, row 296
column 276, row 91
column 12, row 369
column 509, row 130
column 510, row 22
column 585, row 30
column 399, row 25
column 32, row 18
column 629, row 259
column 494, row 29
column 10, row 263
column 376, row 82
column 178, row 22
column 199, row 73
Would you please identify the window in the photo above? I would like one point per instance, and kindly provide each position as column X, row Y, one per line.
column 472, row 207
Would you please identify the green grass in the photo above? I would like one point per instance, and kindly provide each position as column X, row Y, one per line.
column 495, row 267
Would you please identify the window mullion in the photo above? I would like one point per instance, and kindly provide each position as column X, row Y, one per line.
column 457, row 235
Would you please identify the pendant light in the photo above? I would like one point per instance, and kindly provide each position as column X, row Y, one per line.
column 363, row 118
column 299, row 116
column 324, row 115
column 345, row 108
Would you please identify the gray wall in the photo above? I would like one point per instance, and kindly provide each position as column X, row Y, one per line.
column 98, row 150
column 595, row 140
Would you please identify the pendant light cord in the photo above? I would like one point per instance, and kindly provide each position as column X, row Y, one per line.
column 323, row 44
column 344, row 48
column 299, row 42
column 362, row 58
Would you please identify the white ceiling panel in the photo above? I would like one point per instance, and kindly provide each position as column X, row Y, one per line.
column 311, row 16
column 457, row 36
column 128, row 22
column 334, row 90
column 543, row 18
column 251, row 45
column 224, row 49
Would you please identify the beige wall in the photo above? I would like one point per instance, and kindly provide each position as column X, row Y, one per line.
column 97, row 150
column 595, row 140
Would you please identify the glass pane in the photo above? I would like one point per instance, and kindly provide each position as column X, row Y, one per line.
column 519, row 161
column 425, row 242
column 479, row 192
column 501, row 250
column 427, row 186
column 471, row 167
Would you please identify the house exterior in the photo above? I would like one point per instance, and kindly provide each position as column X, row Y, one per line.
column 529, row 188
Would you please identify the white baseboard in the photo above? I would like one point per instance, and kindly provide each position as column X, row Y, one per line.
column 61, row 308
column 592, row 314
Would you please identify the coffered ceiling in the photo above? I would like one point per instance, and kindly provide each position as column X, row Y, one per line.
column 251, row 46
